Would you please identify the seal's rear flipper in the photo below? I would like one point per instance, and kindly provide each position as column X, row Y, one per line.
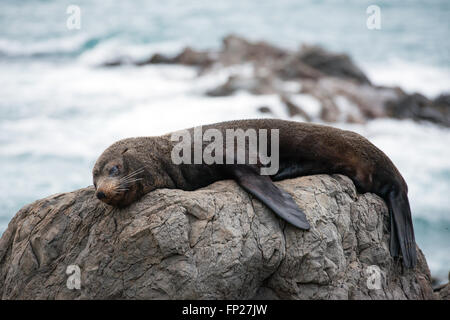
column 272, row 196
column 394, row 244
column 403, row 228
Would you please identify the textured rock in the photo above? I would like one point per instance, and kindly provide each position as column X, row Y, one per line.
column 363, row 101
column 294, row 109
column 418, row 107
column 344, row 92
column 212, row 243
column 255, row 85
column 444, row 292
column 337, row 65
column 237, row 50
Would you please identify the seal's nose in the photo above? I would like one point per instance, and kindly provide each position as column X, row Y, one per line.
column 101, row 195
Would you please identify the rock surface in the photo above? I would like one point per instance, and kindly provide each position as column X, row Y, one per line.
column 337, row 65
column 418, row 107
column 212, row 243
column 444, row 292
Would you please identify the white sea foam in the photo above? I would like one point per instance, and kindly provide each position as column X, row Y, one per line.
column 308, row 103
column 15, row 48
column 411, row 77
column 115, row 49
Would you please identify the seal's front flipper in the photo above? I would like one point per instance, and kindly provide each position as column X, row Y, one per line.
column 272, row 196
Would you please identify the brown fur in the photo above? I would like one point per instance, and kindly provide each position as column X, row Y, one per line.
column 304, row 149
column 317, row 148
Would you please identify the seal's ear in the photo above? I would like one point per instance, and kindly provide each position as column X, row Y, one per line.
column 129, row 158
column 272, row 196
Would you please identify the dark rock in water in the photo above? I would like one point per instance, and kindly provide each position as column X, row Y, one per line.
column 336, row 65
column 119, row 61
column 418, row 107
column 265, row 109
column 410, row 106
column 442, row 103
column 294, row 109
column 188, row 56
column 156, row 59
column 363, row 101
column 113, row 63
column 284, row 63
column 255, row 85
column 237, row 50
column 213, row 243
column 226, row 89
column 191, row 57
column 293, row 68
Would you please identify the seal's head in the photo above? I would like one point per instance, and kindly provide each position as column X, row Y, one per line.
column 117, row 177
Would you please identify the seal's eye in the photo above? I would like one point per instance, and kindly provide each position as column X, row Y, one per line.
column 114, row 170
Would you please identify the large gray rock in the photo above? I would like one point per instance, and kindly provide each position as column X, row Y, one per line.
column 344, row 92
column 444, row 292
column 418, row 107
column 213, row 243
column 337, row 65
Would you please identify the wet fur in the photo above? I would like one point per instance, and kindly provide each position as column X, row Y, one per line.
column 305, row 149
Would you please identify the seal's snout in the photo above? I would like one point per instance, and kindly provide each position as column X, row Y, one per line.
column 100, row 195
column 109, row 191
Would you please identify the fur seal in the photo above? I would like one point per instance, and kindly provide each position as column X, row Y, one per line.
column 133, row 167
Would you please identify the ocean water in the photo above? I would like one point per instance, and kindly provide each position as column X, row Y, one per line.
column 59, row 110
